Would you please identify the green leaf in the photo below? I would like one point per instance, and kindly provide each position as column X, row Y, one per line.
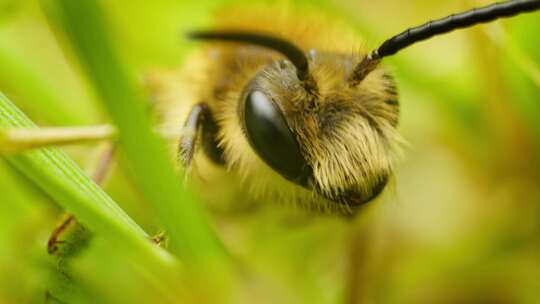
column 189, row 231
column 59, row 177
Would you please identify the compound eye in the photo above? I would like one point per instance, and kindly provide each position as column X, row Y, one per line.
column 271, row 138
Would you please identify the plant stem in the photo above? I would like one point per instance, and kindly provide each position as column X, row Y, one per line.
column 17, row 140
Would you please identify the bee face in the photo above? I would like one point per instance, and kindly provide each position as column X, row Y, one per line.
column 326, row 135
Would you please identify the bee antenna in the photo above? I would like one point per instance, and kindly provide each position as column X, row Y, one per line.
column 291, row 51
column 438, row 27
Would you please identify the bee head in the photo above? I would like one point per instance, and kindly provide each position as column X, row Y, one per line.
column 328, row 122
column 323, row 121
column 325, row 132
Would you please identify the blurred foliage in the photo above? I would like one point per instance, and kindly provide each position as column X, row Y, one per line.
column 461, row 222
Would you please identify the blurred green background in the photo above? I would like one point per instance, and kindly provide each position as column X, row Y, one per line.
column 460, row 223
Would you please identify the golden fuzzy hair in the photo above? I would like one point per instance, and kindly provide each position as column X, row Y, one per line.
column 349, row 138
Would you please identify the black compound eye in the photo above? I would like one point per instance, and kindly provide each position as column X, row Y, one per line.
column 272, row 140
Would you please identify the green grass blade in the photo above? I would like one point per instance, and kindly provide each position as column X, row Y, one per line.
column 58, row 176
column 189, row 231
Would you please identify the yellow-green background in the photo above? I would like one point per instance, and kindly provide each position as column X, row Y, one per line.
column 460, row 222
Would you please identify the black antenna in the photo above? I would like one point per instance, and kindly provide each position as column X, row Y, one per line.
column 453, row 22
column 292, row 52
column 440, row 26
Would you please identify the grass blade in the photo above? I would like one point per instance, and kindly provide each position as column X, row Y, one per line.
column 189, row 230
column 58, row 176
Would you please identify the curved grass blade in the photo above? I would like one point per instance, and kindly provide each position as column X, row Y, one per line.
column 58, row 176
column 189, row 231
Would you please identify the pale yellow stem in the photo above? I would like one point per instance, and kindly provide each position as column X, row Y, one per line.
column 13, row 141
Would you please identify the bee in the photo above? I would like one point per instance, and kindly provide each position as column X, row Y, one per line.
column 296, row 110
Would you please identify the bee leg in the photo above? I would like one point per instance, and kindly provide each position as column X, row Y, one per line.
column 200, row 120
column 69, row 220
column 190, row 132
